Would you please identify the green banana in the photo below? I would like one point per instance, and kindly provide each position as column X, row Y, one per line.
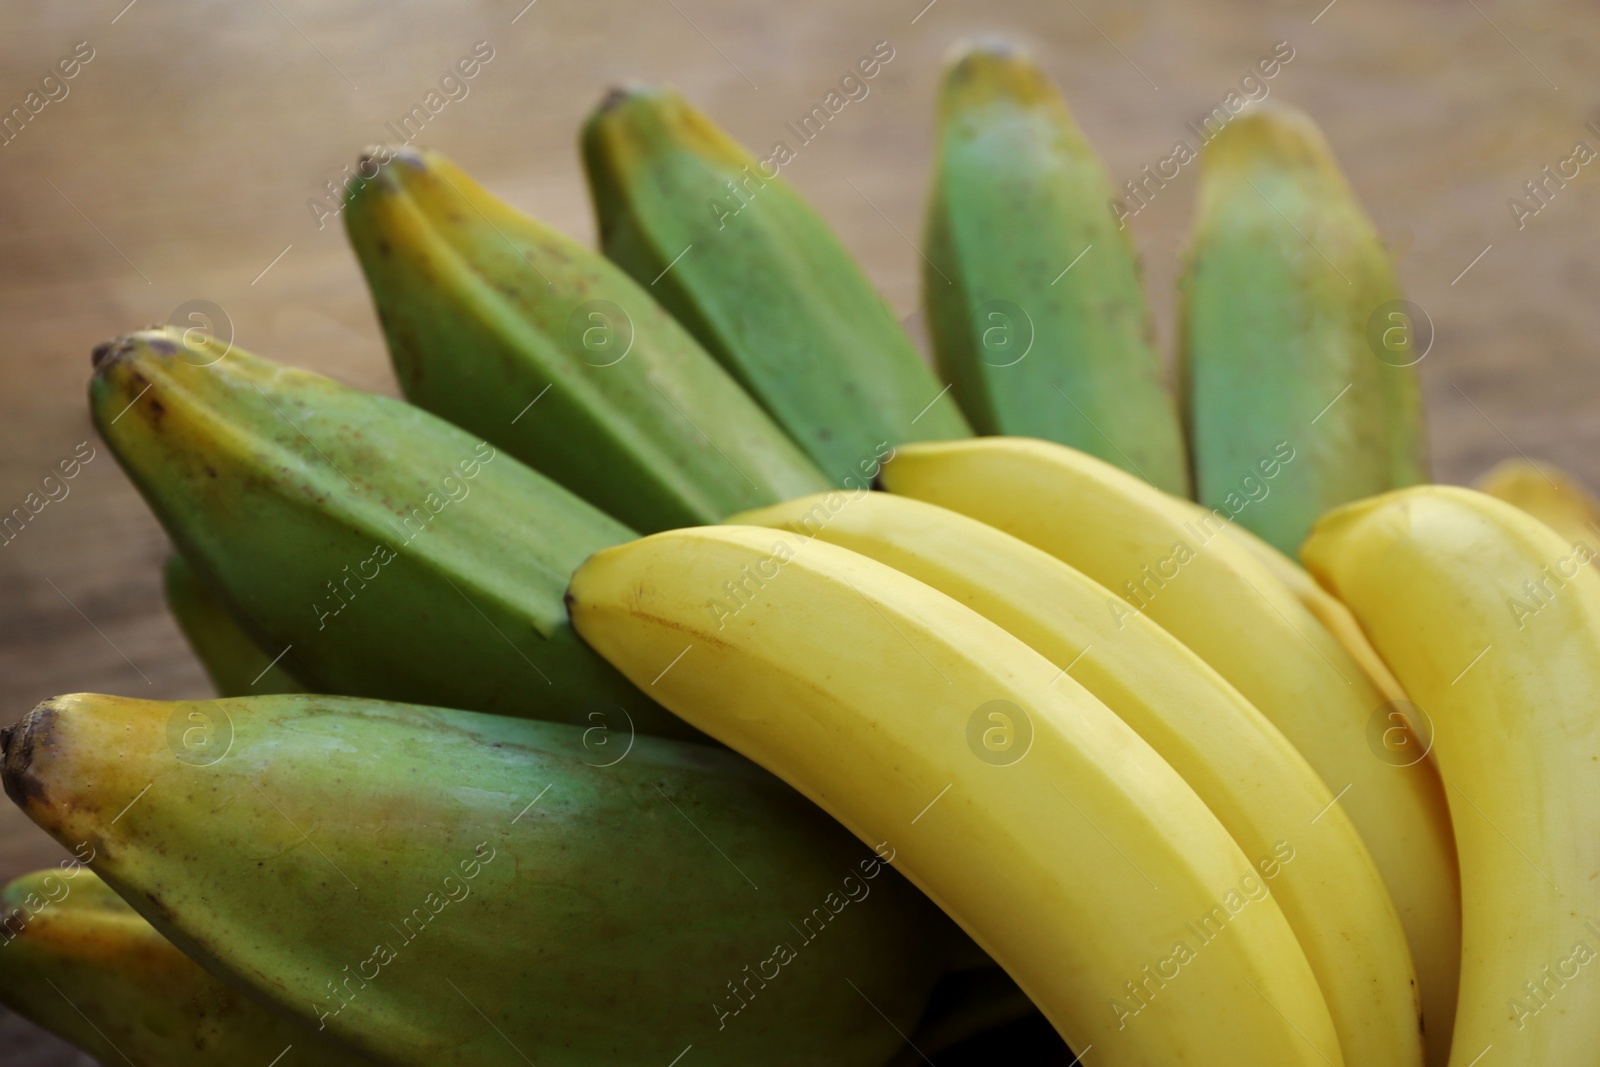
column 444, row 888
column 756, row 274
column 234, row 663
column 380, row 550
column 1037, row 344
column 547, row 350
column 82, row 964
column 1293, row 335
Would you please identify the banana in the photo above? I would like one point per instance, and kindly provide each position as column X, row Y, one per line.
column 444, row 888
column 1190, row 578
column 1271, row 801
column 1036, row 343
column 82, row 964
column 1293, row 334
column 1013, row 798
column 1492, row 622
column 548, row 351
column 1334, row 617
column 379, row 550
column 1550, row 495
column 234, row 663
column 757, row 275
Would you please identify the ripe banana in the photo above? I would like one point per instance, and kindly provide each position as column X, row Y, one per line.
column 1270, row 800
column 1189, row 577
column 1070, row 850
column 1293, row 332
column 380, row 550
column 757, row 275
column 1036, row 343
column 444, row 888
column 234, row 663
column 547, row 350
column 1550, row 495
column 1492, row 622
column 82, row 964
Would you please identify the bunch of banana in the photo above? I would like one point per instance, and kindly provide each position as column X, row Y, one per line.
column 1131, row 782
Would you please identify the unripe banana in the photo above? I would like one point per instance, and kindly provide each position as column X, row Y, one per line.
column 82, row 964
column 547, row 350
column 378, row 549
column 1074, row 854
column 449, row 889
column 1492, row 622
column 758, row 276
column 1189, row 576
column 234, row 663
column 1310, row 858
column 1293, row 330
column 1550, row 495
column 1031, row 287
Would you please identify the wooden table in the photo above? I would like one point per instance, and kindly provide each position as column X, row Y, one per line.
column 180, row 163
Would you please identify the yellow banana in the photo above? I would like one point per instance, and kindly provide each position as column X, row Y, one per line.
column 1550, row 495
column 1035, row 817
column 1214, row 596
column 1492, row 622
column 1263, row 791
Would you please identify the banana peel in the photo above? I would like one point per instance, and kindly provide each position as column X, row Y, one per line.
column 758, row 276
column 1550, row 495
column 1295, row 340
column 1032, row 289
column 377, row 549
column 446, row 888
column 85, row 966
column 549, row 351
column 234, row 663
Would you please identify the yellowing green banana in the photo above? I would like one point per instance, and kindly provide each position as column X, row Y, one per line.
column 1073, row 853
column 1186, row 574
column 375, row 548
column 1031, row 286
column 1492, row 622
column 443, row 888
column 234, row 663
column 757, row 275
column 1310, row 858
column 81, row 963
column 547, row 350
column 1293, row 333
column 1550, row 495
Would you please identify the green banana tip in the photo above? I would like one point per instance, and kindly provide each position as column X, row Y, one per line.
column 1274, row 135
column 986, row 69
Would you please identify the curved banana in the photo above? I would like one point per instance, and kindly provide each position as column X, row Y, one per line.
column 376, row 549
column 1311, row 859
column 1550, row 495
column 234, row 663
column 751, row 269
column 1214, row 596
column 1035, row 342
column 1492, row 621
column 1293, row 330
column 1053, row 833
column 487, row 313
column 448, row 889
column 81, row 963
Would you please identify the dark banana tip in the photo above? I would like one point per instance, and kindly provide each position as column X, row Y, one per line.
column 18, row 743
column 107, row 354
column 628, row 92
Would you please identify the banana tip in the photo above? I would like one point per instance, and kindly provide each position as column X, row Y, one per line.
column 154, row 339
column 17, row 745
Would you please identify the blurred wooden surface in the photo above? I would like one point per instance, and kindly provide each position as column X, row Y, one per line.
column 179, row 166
